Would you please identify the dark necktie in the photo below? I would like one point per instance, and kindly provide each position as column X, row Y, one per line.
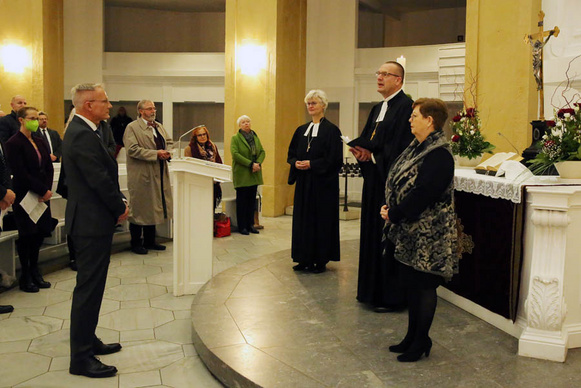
column 99, row 132
column 152, row 124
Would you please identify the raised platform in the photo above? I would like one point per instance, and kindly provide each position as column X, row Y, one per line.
column 260, row 324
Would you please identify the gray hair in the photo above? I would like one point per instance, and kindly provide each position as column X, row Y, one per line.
column 79, row 89
column 318, row 94
column 243, row 117
column 140, row 105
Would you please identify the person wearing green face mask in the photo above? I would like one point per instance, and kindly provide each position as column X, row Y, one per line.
column 29, row 160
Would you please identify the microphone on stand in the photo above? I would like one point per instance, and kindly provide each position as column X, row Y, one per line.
column 180, row 139
column 509, row 142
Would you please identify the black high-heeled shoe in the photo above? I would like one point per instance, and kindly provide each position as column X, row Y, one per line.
column 403, row 346
column 413, row 355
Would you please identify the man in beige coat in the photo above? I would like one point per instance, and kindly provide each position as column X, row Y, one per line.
column 146, row 142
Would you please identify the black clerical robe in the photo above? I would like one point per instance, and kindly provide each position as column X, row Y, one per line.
column 315, row 230
column 377, row 282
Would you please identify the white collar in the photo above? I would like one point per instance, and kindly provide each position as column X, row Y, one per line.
column 315, row 127
column 386, row 99
column 86, row 120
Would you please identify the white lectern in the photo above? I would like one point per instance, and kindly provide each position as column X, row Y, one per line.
column 193, row 214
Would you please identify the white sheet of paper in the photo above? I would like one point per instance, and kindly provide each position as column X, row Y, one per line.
column 345, row 139
column 31, row 205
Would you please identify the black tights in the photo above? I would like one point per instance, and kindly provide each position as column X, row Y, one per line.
column 422, row 307
column 28, row 248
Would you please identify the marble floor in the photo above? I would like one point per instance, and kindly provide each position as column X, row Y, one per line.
column 139, row 310
column 155, row 328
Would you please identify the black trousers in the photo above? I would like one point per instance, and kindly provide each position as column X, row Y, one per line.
column 93, row 255
column 136, row 232
column 245, row 206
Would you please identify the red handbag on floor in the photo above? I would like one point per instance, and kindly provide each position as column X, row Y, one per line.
column 221, row 225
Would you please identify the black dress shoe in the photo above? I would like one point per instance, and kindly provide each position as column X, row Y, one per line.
column 244, row 232
column 319, row 268
column 139, row 250
column 100, row 348
column 92, row 367
column 155, row 247
column 28, row 287
column 6, row 309
column 253, row 230
column 39, row 281
column 73, row 265
column 300, row 267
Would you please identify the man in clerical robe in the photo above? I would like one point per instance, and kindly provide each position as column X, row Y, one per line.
column 385, row 135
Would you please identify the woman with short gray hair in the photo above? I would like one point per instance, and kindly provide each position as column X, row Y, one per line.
column 315, row 156
column 247, row 158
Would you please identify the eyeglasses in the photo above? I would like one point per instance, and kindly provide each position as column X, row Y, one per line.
column 150, row 108
column 384, row 74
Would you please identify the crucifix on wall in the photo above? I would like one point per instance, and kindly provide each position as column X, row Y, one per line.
column 538, row 42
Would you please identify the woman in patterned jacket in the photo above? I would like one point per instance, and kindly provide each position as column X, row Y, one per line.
column 421, row 222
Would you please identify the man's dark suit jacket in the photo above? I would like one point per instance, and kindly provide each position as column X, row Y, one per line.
column 94, row 201
column 55, row 139
column 9, row 125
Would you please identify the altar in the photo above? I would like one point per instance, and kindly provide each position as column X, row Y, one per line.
column 524, row 273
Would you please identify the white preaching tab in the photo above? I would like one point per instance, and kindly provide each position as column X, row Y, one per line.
column 315, row 128
column 33, row 208
column 381, row 115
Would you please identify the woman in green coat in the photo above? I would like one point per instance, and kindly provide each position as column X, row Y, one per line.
column 247, row 158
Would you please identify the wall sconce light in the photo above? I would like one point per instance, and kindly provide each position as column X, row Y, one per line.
column 14, row 58
column 251, row 58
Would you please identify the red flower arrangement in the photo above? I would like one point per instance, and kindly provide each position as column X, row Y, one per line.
column 467, row 140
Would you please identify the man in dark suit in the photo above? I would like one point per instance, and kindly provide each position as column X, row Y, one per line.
column 51, row 136
column 7, row 197
column 9, row 124
column 95, row 205
column 386, row 134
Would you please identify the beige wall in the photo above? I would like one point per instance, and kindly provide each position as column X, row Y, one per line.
column 496, row 53
column 83, row 42
column 36, row 26
column 150, row 30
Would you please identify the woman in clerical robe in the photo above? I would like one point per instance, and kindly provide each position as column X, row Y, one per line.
column 29, row 160
column 315, row 155
column 201, row 147
column 421, row 222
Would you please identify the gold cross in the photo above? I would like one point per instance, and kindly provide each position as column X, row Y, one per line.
column 537, row 43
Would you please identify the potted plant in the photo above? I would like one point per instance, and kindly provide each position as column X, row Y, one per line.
column 561, row 145
column 468, row 144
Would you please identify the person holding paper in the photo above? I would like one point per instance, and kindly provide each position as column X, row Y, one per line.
column 385, row 135
column 420, row 222
column 315, row 156
column 29, row 160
